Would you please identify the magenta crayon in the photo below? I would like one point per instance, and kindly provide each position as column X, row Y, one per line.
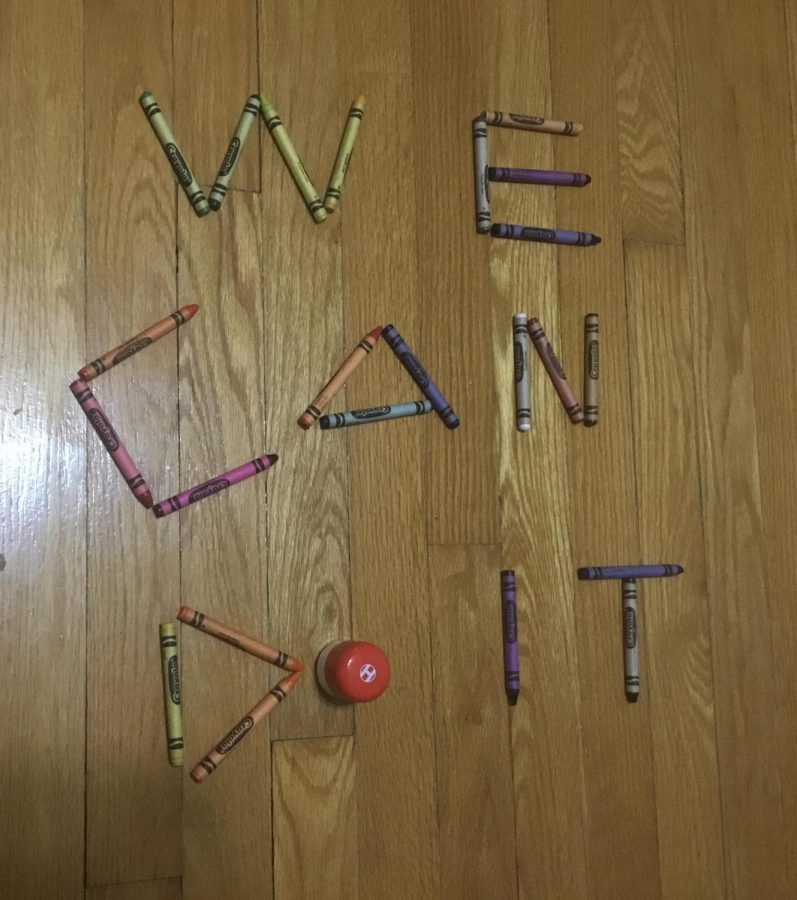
column 215, row 485
column 538, row 176
column 544, row 235
column 110, row 440
column 511, row 651
column 555, row 371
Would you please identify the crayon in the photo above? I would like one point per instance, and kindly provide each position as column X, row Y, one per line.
column 233, row 154
column 291, row 159
column 171, row 693
column 148, row 336
column 174, row 154
column 630, row 641
column 342, row 160
column 544, row 235
column 215, row 757
column 484, row 218
column 375, row 414
column 215, row 485
column 607, row 573
column 520, row 347
column 538, row 176
column 238, row 639
column 110, row 440
column 421, row 377
column 591, row 368
column 339, row 379
column 511, row 652
column 531, row 123
column 555, row 371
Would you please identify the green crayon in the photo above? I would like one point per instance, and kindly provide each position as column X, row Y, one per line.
column 233, row 154
column 174, row 154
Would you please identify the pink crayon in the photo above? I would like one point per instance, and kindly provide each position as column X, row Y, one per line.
column 209, row 488
column 110, row 440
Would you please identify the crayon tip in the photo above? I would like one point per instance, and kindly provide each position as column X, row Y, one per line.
column 254, row 98
column 158, row 510
column 512, row 696
column 632, row 698
column 589, row 179
column 214, row 204
column 144, row 96
column 359, row 102
column 145, row 499
column 678, row 569
column 191, row 310
column 185, row 613
column 595, row 239
column 272, row 458
column 375, row 333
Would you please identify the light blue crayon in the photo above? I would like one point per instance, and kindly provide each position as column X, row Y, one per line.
column 375, row 414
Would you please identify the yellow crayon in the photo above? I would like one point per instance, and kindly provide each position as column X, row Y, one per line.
column 344, row 154
column 171, row 693
column 291, row 159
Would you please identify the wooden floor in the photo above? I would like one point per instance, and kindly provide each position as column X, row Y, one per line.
column 396, row 532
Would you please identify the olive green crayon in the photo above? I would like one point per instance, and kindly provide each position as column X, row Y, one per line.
column 343, row 158
column 171, row 693
column 291, row 159
column 174, row 154
column 233, row 154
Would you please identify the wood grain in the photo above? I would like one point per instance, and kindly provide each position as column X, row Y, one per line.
column 43, row 448
column 315, row 816
column 647, row 121
column 472, row 732
column 226, row 820
column 166, row 889
column 133, row 819
column 737, row 580
column 305, row 342
column 673, row 612
column 215, row 70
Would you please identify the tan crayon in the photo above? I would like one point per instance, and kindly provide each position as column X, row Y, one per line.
column 339, row 379
column 531, row 123
column 215, row 757
column 171, row 693
column 591, row 368
column 555, row 371
column 148, row 336
column 237, row 639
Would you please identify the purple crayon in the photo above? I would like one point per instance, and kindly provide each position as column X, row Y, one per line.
column 538, row 176
column 545, row 235
column 209, row 488
column 606, row 573
column 511, row 652
column 420, row 376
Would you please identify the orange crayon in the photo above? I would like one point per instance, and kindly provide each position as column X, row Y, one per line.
column 339, row 379
column 215, row 757
column 139, row 342
column 235, row 638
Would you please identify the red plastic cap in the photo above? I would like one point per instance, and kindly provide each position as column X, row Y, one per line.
column 354, row 671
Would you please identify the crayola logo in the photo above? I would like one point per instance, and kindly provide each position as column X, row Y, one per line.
column 537, row 234
column 236, row 735
column 415, row 369
column 129, row 349
column 592, row 360
column 372, row 412
column 629, row 628
column 526, row 120
column 230, row 156
column 510, row 623
column 208, row 489
column 179, row 165
column 555, row 362
column 519, row 367
column 104, row 429
column 174, row 680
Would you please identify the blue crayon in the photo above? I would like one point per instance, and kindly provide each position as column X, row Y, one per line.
column 606, row 573
column 545, row 235
column 375, row 414
column 420, row 376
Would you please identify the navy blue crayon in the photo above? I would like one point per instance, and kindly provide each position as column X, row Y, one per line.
column 375, row 414
column 545, row 235
column 420, row 376
column 606, row 573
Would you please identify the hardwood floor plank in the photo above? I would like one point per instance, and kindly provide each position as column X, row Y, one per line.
column 315, row 815
column 133, row 819
column 43, row 437
column 164, row 889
